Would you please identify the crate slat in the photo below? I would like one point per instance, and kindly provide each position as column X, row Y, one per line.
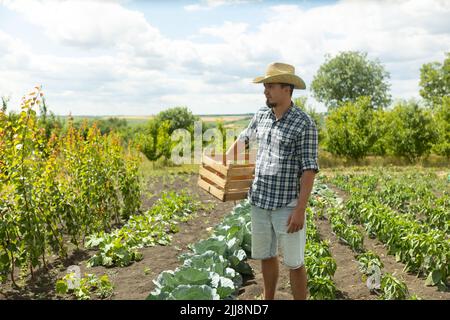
column 215, row 165
column 239, row 184
column 238, row 171
column 236, row 196
column 212, row 176
column 225, row 182
column 211, row 189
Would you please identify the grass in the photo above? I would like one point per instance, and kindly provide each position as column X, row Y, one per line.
column 328, row 160
column 162, row 168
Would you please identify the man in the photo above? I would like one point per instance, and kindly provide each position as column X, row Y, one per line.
column 286, row 164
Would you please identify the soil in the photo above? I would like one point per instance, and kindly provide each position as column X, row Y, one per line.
column 136, row 281
column 416, row 285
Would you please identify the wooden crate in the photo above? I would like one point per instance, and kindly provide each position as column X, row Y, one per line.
column 226, row 182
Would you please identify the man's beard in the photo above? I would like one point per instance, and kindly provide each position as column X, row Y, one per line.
column 271, row 105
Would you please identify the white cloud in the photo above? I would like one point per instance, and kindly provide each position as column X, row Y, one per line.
column 227, row 32
column 402, row 35
column 86, row 24
column 230, row 103
column 129, row 67
column 15, row 66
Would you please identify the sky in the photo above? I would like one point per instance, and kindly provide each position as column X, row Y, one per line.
column 125, row 57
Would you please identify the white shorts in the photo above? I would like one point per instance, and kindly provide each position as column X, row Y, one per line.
column 269, row 231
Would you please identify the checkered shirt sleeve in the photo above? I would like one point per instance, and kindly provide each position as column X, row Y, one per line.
column 306, row 147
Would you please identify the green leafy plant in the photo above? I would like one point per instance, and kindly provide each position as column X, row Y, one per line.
column 418, row 244
column 57, row 185
column 321, row 288
column 367, row 260
column 214, row 268
column 347, row 233
column 120, row 247
column 83, row 288
column 392, row 288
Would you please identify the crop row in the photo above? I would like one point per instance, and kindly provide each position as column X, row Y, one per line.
column 58, row 187
column 414, row 193
column 423, row 249
column 214, row 268
column 369, row 263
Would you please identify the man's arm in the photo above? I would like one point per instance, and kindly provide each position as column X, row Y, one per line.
column 297, row 219
column 307, row 151
column 242, row 141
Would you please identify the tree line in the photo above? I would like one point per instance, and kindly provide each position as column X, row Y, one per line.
column 361, row 118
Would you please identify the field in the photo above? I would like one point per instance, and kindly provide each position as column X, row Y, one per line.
column 130, row 206
column 84, row 215
column 135, row 281
column 132, row 121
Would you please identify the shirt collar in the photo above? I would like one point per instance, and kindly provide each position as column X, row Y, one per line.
column 285, row 115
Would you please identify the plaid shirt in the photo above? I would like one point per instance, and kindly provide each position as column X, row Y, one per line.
column 286, row 148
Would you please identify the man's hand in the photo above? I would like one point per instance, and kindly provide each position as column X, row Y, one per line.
column 296, row 220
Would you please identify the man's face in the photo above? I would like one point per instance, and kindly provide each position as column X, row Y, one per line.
column 275, row 94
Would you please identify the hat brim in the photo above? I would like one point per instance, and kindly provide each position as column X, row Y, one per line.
column 282, row 78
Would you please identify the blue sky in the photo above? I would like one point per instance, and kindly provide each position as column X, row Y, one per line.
column 162, row 14
column 120, row 57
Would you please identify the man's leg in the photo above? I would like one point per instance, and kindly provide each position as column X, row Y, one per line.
column 264, row 245
column 270, row 275
column 293, row 249
column 298, row 283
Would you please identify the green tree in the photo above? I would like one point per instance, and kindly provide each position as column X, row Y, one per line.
column 350, row 129
column 4, row 104
column 112, row 124
column 412, row 132
column 380, row 128
column 302, row 103
column 442, row 121
column 435, row 81
column 155, row 141
column 178, row 118
column 348, row 76
column 48, row 120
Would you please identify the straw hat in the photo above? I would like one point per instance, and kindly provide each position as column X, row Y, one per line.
column 281, row 73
